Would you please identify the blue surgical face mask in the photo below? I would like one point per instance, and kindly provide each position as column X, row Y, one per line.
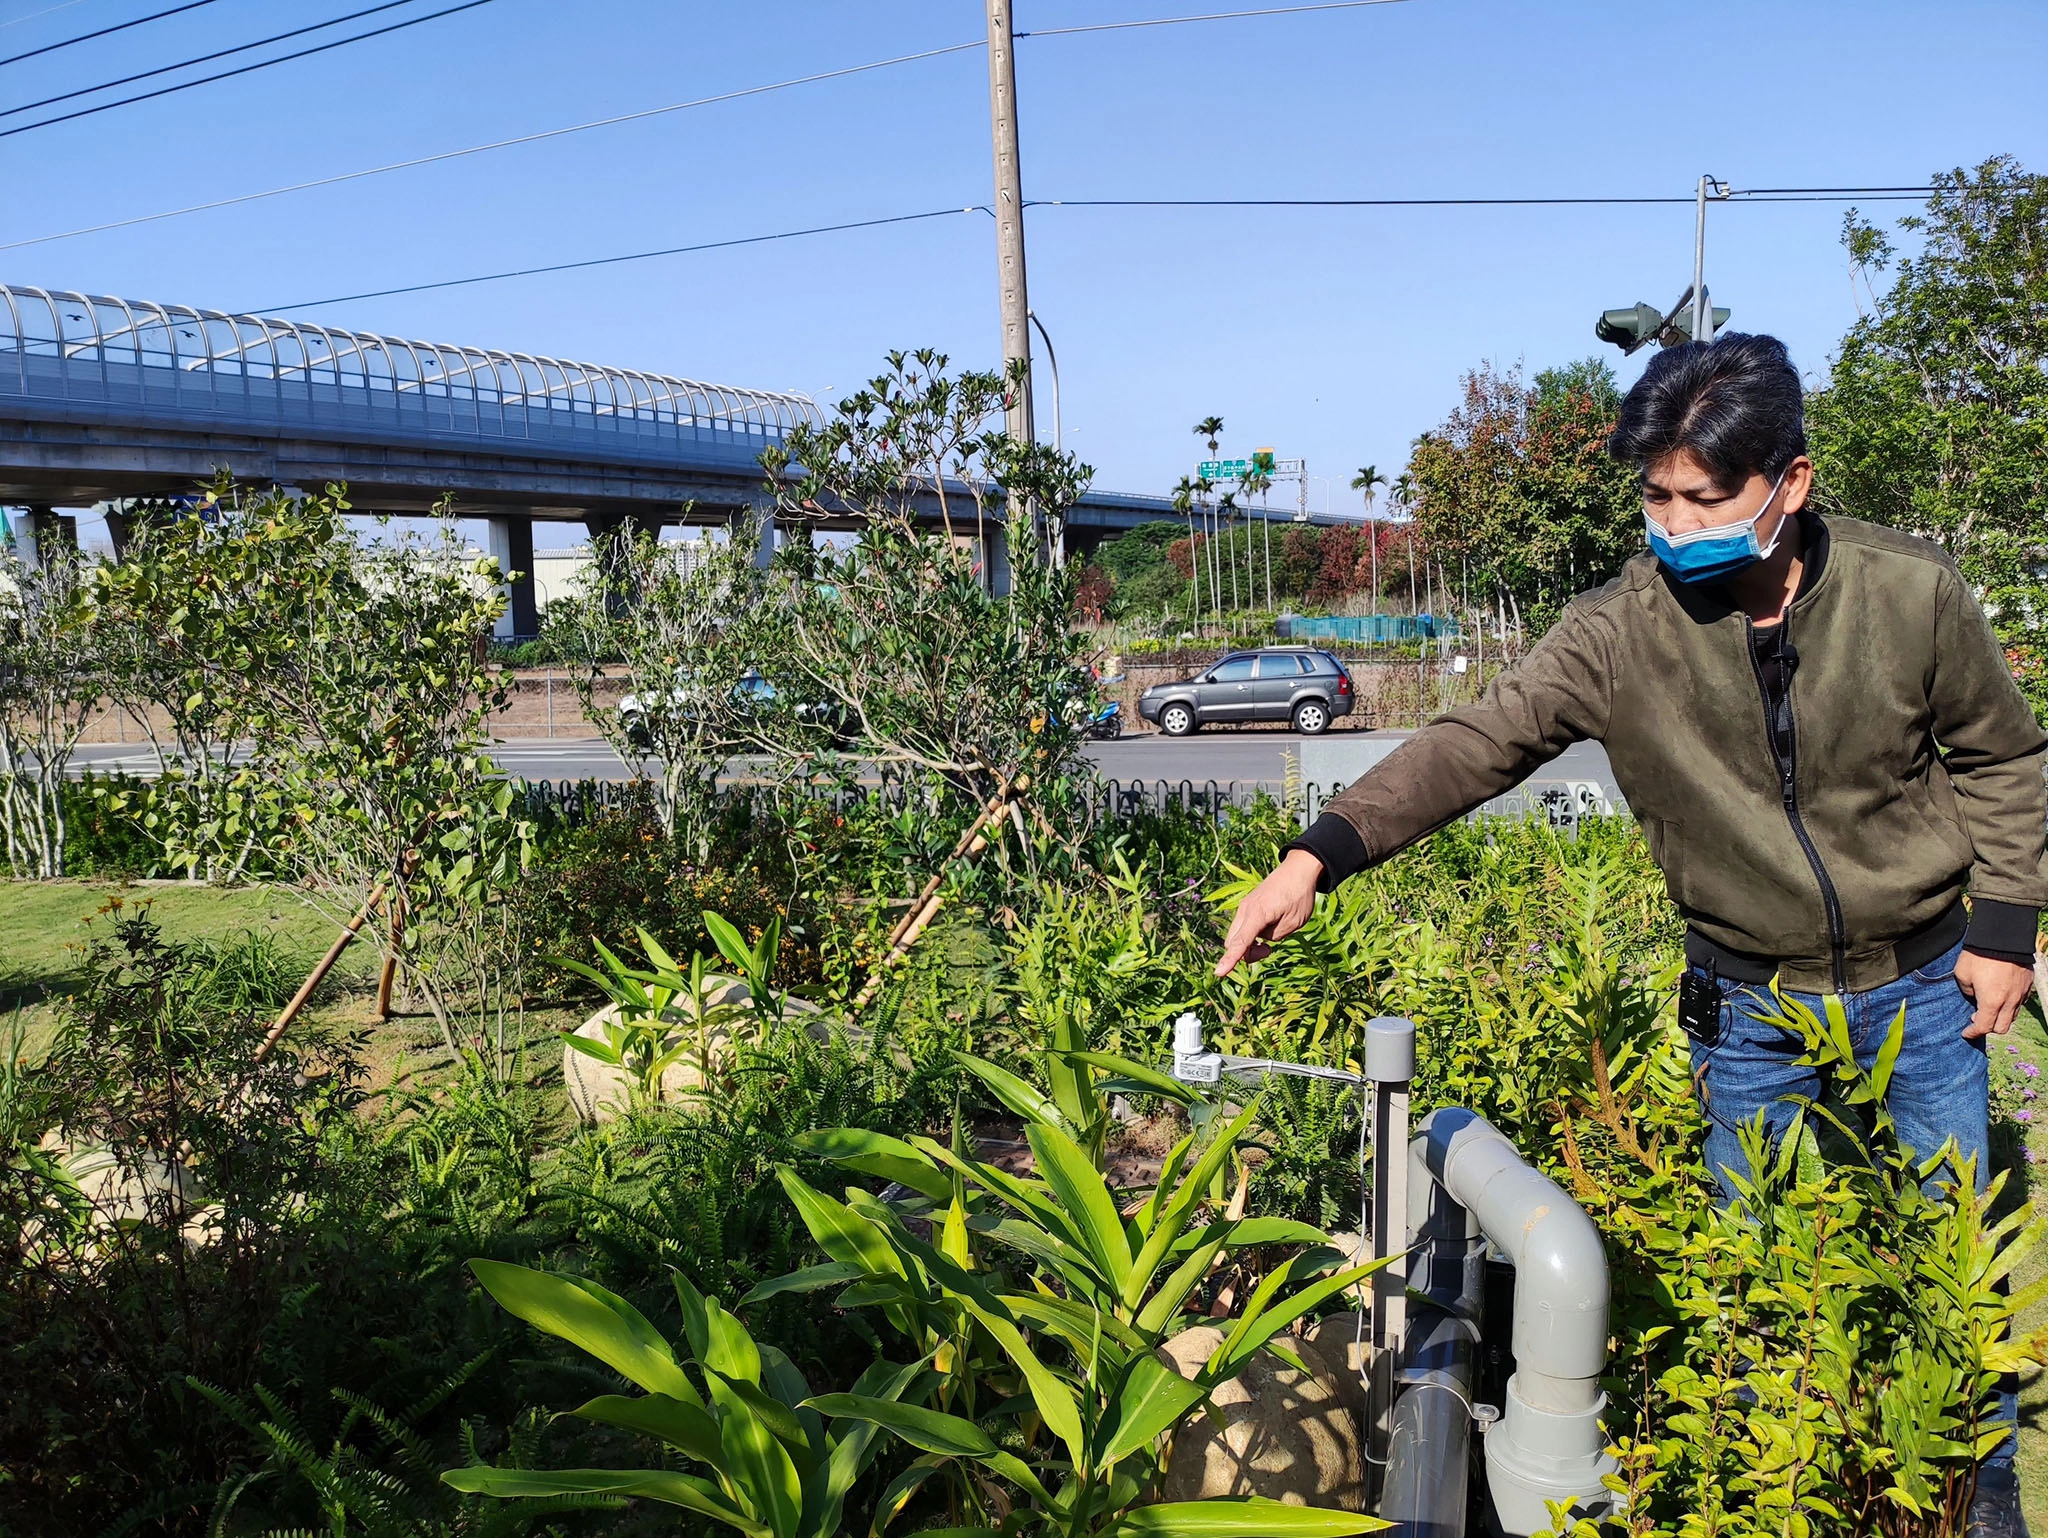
column 1713, row 554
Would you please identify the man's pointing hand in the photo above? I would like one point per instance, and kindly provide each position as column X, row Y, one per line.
column 1272, row 910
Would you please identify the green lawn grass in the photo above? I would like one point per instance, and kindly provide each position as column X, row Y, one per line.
column 46, row 925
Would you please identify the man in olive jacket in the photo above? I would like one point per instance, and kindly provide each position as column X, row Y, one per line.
column 1818, row 731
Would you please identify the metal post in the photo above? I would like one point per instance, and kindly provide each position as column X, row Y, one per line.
column 1009, row 210
column 1053, row 363
column 1702, row 311
column 551, row 704
column 1389, row 1068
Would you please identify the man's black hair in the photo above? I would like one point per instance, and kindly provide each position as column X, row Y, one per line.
column 1734, row 404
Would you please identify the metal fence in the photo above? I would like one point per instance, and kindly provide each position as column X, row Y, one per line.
column 104, row 356
column 1562, row 803
column 1367, row 629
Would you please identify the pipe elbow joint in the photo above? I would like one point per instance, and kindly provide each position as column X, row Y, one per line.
column 1561, row 1291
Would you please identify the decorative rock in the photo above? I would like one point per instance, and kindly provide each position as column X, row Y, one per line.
column 1342, row 1344
column 118, row 1191
column 599, row 1091
column 1284, row 1436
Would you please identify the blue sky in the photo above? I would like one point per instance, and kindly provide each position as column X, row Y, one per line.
column 1335, row 335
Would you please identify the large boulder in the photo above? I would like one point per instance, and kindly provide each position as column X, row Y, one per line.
column 599, row 1091
column 1342, row 1344
column 119, row 1190
column 1285, row 1436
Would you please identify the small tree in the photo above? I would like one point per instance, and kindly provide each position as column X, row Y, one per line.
column 1933, row 419
column 382, row 722
column 684, row 622
column 51, row 676
column 1518, row 482
column 204, row 607
column 329, row 701
column 902, row 638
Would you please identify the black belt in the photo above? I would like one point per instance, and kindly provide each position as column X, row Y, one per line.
column 1911, row 953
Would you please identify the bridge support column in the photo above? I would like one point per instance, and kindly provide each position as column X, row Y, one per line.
column 995, row 560
column 757, row 523
column 606, row 531
column 43, row 533
column 511, row 541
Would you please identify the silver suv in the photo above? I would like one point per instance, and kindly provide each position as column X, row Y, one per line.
column 1277, row 683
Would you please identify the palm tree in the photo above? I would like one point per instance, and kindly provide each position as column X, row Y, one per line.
column 1259, row 483
column 1184, row 504
column 1203, row 486
column 1210, row 429
column 1369, row 480
column 1402, row 496
column 1228, row 510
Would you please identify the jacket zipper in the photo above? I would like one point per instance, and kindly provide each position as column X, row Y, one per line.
column 1788, row 772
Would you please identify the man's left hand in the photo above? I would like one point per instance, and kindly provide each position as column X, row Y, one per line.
column 1999, row 988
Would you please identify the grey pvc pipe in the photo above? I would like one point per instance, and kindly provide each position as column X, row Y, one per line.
column 1548, row 1444
column 1429, row 1443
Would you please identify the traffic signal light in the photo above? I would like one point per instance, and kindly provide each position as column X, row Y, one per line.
column 1642, row 324
column 1631, row 328
column 1683, row 323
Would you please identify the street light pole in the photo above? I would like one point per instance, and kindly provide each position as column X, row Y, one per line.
column 1009, row 211
column 1053, row 363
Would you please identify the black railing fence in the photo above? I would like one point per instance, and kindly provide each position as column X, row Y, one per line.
column 573, row 803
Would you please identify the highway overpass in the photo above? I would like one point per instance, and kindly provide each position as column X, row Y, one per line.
column 104, row 398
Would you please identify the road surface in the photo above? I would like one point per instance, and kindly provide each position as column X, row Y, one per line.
column 1247, row 757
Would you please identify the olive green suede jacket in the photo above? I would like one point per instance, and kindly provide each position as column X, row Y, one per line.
column 1916, row 770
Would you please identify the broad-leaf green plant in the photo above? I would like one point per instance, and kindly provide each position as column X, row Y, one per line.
column 661, row 1015
column 1071, row 1347
column 773, row 1466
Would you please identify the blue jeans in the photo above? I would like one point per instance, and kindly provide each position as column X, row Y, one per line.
column 1940, row 1087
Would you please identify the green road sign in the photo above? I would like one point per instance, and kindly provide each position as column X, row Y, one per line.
column 1224, row 469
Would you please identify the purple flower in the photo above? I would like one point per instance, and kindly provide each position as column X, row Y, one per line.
column 2028, row 1154
column 2030, row 1070
column 2015, row 1051
column 2022, row 1115
column 2026, row 1092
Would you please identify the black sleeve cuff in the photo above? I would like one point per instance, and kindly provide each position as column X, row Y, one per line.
column 2005, row 930
column 1337, row 845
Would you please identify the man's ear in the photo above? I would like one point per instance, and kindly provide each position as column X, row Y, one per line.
column 1798, row 484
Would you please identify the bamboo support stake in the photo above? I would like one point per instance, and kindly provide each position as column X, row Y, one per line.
column 390, row 973
column 972, row 842
column 348, row 932
column 917, row 918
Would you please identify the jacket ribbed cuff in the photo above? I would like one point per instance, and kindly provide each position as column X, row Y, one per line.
column 1337, row 845
column 2004, row 930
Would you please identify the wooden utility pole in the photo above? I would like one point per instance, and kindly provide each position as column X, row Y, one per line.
column 1009, row 211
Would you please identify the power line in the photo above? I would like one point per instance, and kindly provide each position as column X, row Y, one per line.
column 229, row 74
column 1841, row 194
column 1755, row 195
column 635, row 256
column 204, row 58
column 86, row 37
column 48, row 10
column 495, row 144
column 629, row 117
column 1174, row 21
